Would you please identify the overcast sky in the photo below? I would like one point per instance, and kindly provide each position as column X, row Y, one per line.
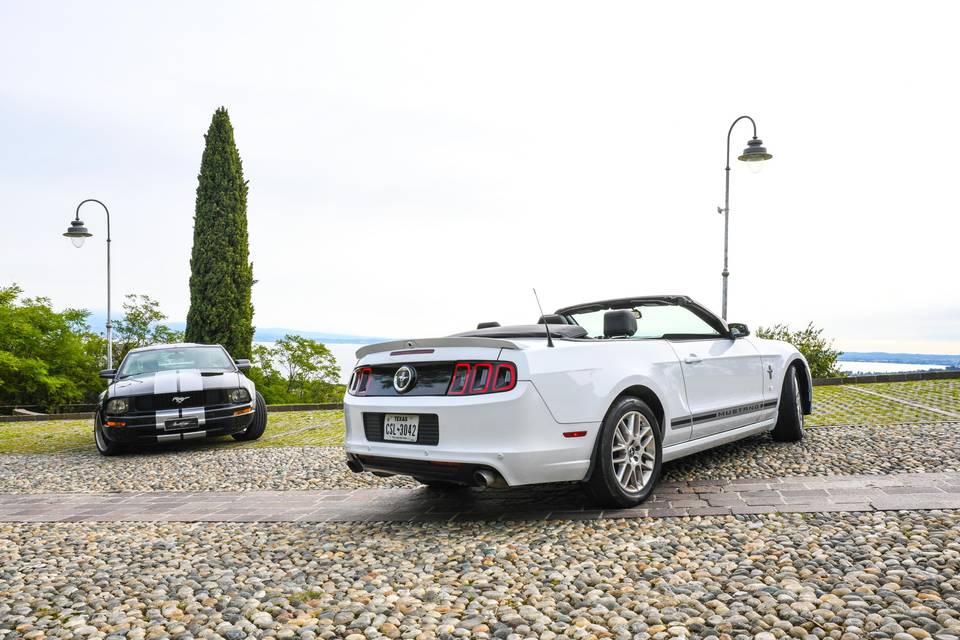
column 417, row 167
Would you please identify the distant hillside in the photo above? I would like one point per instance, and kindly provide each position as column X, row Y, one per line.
column 270, row 334
column 901, row 358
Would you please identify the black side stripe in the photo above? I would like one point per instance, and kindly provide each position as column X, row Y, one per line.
column 720, row 414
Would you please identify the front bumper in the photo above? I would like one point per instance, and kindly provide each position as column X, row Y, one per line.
column 152, row 427
column 511, row 433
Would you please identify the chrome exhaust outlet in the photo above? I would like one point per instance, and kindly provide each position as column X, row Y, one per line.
column 354, row 466
column 487, row 478
column 483, row 478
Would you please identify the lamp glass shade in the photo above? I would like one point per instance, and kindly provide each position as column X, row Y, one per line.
column 755, row 167
column 77, row 233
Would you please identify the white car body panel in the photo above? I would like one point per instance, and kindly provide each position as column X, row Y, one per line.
column 728, row 390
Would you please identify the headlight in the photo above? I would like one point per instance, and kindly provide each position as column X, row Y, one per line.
column 236, row 396
column 118, row 405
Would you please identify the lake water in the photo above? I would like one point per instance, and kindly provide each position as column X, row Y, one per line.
column 346, row 355
column 852, row 366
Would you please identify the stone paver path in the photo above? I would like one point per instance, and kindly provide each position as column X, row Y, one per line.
column 561, row 502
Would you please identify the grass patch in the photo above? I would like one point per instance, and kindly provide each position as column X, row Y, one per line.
column 284, row 429
column 841, row 404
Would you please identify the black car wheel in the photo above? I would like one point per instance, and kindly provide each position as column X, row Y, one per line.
column 628, row 455
column 259, row 424
column 789, row 427
column 105, row 446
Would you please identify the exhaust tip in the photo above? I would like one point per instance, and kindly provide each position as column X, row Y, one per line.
column 354, row 466
column 484, row 478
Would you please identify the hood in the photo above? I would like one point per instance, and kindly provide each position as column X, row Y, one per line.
column 174, row 382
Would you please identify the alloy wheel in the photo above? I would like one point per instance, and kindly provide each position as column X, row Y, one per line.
column 634, row 452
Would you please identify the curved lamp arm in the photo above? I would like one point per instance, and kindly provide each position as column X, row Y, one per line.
column 109, row 320
column 730, row 131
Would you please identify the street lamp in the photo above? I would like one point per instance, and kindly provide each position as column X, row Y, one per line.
column 753, row 155
column 77, row 234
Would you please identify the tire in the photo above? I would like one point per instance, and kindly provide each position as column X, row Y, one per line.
column 630, row 447
column 789, row 427
column 259, row 424
column 105, row 446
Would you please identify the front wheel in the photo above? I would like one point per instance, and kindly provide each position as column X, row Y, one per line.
column 789, row 427
column 105, row 446
column 629, row 455
column 259, row 424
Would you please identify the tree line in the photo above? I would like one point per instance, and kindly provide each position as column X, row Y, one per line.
column 50, row 359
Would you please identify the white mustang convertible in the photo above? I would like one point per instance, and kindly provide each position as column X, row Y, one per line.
column 600, row 393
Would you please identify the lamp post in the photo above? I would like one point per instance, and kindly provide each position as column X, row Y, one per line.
column 77, row 234
column 752, row 155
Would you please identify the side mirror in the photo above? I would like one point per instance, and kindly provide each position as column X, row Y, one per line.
column 108, row 374
column 243, row 364
column 738, row 330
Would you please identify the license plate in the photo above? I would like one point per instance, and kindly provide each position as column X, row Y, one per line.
column 181, row 423
column 400, row 428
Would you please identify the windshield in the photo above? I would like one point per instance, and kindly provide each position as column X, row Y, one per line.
column 653, row 321
column 141, row 362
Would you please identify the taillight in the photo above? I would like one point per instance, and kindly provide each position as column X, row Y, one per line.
column 477, row 378
column 360, row 381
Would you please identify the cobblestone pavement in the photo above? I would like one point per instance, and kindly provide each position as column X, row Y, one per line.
column 671, row 499
column 807, row 576
column 901, row 448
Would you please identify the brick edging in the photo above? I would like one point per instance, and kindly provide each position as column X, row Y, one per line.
column 888, row 377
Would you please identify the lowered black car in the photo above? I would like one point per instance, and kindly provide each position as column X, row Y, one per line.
column 172, row 392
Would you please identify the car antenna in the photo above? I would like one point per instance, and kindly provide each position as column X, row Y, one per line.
column 546, row 325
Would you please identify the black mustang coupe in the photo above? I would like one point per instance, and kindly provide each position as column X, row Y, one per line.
column 173, row 392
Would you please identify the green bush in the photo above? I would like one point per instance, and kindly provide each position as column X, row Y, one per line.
column 47, row 358
column 296, row 370
column 818, row 350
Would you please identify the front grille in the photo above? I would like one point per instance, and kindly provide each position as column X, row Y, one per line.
column 162, row 401
column 428, row 431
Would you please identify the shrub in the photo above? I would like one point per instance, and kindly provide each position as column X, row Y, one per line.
column 818, row 350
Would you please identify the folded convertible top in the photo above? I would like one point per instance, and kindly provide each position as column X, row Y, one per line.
column 527, row 331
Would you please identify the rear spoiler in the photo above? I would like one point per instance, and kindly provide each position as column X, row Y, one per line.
column 400, row 345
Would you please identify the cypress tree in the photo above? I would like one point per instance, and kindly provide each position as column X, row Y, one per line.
column 221, row 274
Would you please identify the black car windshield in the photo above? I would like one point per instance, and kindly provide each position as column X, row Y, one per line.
column 172, row 358
column 653, row 321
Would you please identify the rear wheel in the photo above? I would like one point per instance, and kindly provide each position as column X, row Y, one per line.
column 105, row 446
column 259, row 424
column 789, row 427
column 629, row 455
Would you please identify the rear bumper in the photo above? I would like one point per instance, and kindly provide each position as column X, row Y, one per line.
column 511, row 433
column 150, row 433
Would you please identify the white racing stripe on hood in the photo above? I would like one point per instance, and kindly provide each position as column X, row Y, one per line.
column 165, row 381
column 191, row 380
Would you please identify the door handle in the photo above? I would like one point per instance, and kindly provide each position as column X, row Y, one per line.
column 692, row 359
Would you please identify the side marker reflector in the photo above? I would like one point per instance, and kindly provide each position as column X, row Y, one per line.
column 574, row 434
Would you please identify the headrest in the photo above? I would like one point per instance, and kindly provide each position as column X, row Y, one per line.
column 619, row 323
column 487, row 325
column 551, row 318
